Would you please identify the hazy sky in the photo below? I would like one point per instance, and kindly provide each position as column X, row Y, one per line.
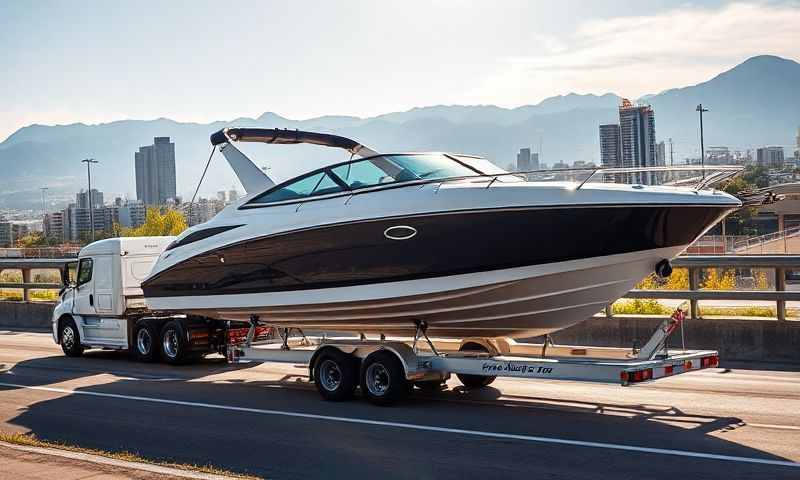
column 96, row 61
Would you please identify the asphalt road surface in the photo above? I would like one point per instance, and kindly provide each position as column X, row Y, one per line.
column 267, row 420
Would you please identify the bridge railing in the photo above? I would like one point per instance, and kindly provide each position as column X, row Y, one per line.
column 25, row 268
column 779, row 265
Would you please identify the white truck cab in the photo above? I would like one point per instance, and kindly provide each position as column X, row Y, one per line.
column 93, row 311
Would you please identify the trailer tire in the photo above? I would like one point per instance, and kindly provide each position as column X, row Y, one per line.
column 69, row 338
column 145, row 345
column 336, row 375
column 383, row 379
column 474, row 382
column 174, row 344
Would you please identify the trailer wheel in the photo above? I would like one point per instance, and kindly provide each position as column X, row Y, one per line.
column 473, row 382
column 70, row 338
column 336, row 375
column 383, row 380
column 145, row 342
column 174, row 346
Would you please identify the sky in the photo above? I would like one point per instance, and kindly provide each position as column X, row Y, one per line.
column 93, row 61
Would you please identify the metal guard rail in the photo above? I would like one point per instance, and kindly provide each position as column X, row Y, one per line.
column 779, row 264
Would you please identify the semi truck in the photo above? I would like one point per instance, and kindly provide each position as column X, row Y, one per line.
column 103, row 306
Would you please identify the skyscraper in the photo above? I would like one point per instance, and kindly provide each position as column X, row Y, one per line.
column 637, row 125
column 155, row 172
column 82, row 199
column 535, row 161
column 770, row 157
column 610, row 146
column 524, row 160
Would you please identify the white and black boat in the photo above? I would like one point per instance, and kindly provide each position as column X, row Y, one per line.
column 379, row 243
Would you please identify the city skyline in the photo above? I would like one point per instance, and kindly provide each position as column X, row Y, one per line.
column 551, row 53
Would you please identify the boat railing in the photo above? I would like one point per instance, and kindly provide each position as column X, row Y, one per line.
column 684, row 176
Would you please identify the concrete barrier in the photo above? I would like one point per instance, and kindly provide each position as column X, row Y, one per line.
column 736, row 340
column 26, row 315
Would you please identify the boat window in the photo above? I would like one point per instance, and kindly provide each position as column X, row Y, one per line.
column 399, row 168
column 316, row 184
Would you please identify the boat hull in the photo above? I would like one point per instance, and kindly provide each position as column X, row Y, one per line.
column 488, row 273
column 518, row 302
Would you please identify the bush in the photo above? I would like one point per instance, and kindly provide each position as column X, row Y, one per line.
column 639, row 306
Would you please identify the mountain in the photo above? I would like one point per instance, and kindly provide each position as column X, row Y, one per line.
column 754, row 103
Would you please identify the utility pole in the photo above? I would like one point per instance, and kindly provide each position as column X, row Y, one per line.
column 671, row 158
column 700, row 109
column 89, row 162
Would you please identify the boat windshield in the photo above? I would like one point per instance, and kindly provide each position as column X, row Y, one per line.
column 369, row 172
column 399, row 168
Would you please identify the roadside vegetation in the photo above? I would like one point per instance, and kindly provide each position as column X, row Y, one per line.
column 30, row 440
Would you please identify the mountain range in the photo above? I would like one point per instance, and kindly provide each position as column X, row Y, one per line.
column 755, row 103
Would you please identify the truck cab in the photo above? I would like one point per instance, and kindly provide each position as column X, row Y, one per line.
column 94, row 310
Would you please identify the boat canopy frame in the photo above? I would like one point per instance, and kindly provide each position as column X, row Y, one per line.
column 289, row 137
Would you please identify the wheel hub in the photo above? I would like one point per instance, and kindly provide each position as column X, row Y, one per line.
column 378, row 379
column 330, row 375
column 171, row 343
column 144, row 342
column 68, row 337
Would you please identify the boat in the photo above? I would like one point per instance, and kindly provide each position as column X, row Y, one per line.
column 383, row 243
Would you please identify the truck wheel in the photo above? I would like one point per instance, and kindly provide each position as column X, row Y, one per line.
column 70, row 338
column 473, row 382
column 336, row 375
column 383, row 380
column 173, row 343
column 145, row 342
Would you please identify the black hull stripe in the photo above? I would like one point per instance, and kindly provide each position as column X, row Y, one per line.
column 358, row 253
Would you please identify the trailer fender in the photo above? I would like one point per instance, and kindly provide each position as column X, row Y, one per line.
column 327, row 348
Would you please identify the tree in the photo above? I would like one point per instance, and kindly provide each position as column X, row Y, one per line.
column 36, row 239
column 156, row 224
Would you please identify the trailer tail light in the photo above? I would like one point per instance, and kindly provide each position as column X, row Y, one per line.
column 668, row 370
column 637, row 376
column 709, row 362
column 687, row 365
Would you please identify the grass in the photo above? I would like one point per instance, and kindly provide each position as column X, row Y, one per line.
column 639, row 307
column 753, row 311
column 30, row 440
column 34, row 294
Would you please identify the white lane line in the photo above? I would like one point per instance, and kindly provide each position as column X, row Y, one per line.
column 425, row 428
column 770, row 425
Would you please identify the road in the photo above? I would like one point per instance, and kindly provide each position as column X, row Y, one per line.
column 269, row 421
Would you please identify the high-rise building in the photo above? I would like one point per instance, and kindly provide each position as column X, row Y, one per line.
column 54, row 225
column 6, row 234
column 82, row 199
column 155, row 172
column 233, row 196
column 637, row 125
column 610, row 146
column 535, row 161
column 661, row 154
column 524, row 160
column 797, row 149
column 770, row 157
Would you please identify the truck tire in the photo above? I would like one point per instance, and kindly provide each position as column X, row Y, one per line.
column 145, row 344
column 383, row 380
column 69, row 338
column 174, row 344
column 336, row 375
column 474, row 382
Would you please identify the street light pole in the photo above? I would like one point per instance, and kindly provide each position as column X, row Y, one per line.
column 700, row 109
column 89, row 162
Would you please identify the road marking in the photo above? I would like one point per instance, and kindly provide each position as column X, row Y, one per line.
column 769, row 425
column 424, row 428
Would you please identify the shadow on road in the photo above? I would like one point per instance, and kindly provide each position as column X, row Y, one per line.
column 237, row 423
